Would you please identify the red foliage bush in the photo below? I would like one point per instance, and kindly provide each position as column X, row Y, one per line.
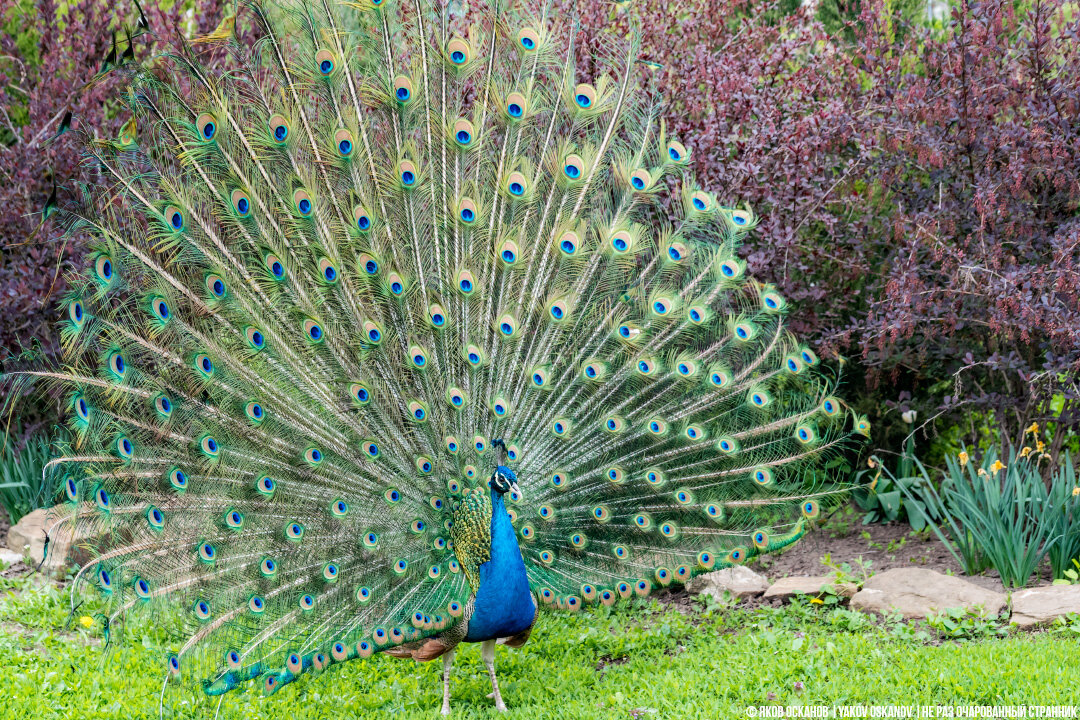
column 48, row 54
column 918, row 185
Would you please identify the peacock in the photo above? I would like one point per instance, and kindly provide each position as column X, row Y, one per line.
column 402, row 329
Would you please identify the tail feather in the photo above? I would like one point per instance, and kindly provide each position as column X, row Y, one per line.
column 325, row 283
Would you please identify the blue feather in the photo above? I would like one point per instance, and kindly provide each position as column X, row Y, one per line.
column 504, row 606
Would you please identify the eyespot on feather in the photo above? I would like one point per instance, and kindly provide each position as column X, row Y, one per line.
column 343, row 143
column 646, row 367
column 76, row 314
column 466, row 211
column 676, row 153
column 508, row 253
column 528, row 39
column 677, row 251
column 516, row 106
column 163, row 405
column 274, row 265
column 507, row 326
column 418, row 357
column 215, row 285
column 621, row 242
column 174, row 218
column 279, row 128
column 418, row 411
column 395, row 284
column 408, row 175
column 584, row 96
column 517, row 184
column 241, row 203
column 313, row 331
column 641, row 179
column 474, row 355
column 437, row 316
column 255, row 338
column 403, row 89
column 462, row 133
column 324, row 62
column 561, row 427
column 466, row 282
column 702, row 202
column 573, row 168
column 372, row 331
column 361, row 220
column 458, row 52
column 568, row 243
column 207, row 126
column 302, row 202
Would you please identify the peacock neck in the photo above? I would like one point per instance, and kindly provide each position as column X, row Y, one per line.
column 503, row 605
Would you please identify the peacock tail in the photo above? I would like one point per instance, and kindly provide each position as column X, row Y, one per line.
column 324, row 283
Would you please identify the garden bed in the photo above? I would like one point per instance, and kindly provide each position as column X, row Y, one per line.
column 884, row 545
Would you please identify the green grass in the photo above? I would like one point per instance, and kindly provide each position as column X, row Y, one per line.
column 711, row 663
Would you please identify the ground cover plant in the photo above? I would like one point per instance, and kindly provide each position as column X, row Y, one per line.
column 669, row 661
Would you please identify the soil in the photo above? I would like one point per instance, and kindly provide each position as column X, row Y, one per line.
column 884, row 546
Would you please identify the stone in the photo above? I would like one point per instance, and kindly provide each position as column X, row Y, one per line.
column 1040, row 606
column 27, row 538
column 919, row 592
column 786, row 588
column 9, row 557
column 738, row 581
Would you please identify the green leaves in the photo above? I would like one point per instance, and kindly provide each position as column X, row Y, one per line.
column 22, row 486
column 1006, row 515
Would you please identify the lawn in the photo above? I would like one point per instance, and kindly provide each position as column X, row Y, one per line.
column 650, row 660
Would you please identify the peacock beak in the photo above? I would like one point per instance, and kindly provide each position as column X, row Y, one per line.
column 514, row 488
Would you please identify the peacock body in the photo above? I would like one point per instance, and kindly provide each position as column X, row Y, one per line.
column 402, row 329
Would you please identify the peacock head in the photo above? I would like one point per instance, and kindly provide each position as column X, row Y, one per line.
column 503, row 480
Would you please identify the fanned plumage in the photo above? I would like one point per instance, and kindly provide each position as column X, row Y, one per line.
column 327, row 282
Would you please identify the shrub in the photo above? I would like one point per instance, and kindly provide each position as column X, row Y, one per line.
column 918, row 186
column 24, row 486
column 48, row 53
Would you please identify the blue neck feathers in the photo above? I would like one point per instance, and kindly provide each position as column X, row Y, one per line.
column 504, row 605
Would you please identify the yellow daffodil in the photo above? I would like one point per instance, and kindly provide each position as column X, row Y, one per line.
column 997, row 466
column 817, row 601
column 1076, row 491
column 963, row 458
column 1033, row 428
column 86, row 621
column 1025, row 451
column 1039, row 445
column 983, row 473
column 871, row 463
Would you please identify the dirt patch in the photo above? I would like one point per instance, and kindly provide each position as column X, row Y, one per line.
column 16, row 570
column 884, row 545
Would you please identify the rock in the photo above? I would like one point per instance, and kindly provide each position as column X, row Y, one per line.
column 1040, row 606
column 918, row 592
column 739, row 581
column 27, row 538
column 9, row 557
column 786, row 588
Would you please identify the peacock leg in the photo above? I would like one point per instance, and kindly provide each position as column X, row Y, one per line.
column 447, row 661
column 487, row 652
